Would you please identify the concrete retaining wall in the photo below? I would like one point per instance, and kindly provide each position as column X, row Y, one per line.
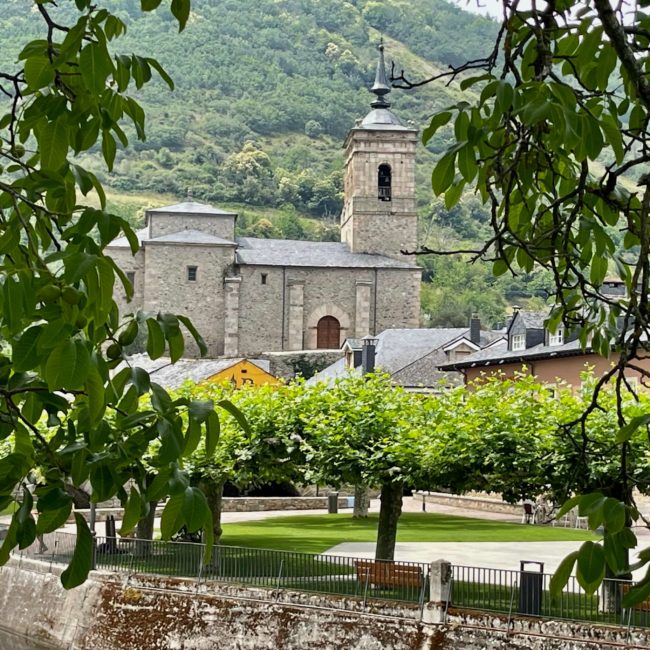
column 155, row 613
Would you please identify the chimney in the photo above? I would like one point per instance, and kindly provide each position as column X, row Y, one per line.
column 475, row 329
column 368, row 347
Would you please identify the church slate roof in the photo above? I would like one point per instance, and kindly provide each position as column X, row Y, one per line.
column 286, row 252
column 191, row 237
column 191, row 207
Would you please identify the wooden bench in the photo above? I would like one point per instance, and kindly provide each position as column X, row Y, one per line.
column 643, row 606
column 380, row 573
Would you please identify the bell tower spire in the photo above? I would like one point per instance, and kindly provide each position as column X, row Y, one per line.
column 381, row 88
column 379, row 185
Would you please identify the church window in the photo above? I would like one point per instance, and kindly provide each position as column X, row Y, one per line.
column 264, row 276
column 328, row 333
column 130, row 276
column 384, row 182
column 192, row 273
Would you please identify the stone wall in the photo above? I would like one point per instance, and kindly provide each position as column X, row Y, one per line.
column 168, row 289
column 155, row 613
column 470, row 502
column 220, row 225
column 305, row 363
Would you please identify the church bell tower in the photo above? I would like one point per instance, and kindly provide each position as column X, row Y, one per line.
column 379, row 208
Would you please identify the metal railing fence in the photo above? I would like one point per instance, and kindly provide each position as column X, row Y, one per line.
column 331, row 574
column 525, row 592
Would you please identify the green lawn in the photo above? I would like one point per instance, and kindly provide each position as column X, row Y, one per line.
column 317, row 533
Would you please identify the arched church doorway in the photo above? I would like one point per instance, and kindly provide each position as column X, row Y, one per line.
column 328, row 333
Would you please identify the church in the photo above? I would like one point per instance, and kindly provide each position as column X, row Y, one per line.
column 248, row 296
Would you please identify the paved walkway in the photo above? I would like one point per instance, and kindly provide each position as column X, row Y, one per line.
column 501, row 555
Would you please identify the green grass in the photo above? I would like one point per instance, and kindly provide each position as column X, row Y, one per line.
column 317, row 533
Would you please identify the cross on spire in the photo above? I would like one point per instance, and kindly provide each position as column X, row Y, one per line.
column 381, row 86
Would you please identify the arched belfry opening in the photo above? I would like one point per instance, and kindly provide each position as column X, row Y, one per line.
column 384, row 179
column 328, row 333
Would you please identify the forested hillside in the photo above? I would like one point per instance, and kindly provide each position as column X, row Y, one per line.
column 265, row 93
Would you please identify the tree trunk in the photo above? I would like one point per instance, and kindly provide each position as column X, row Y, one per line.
column 144, row 531
column 389, row 513
column 213, row 490
column 361, row 502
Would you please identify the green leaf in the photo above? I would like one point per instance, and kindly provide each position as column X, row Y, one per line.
column 437, row 121
column 625, row 433
column 195, row 509
column 637, row 593
column 149, row 5
column 562, row 574
column 95, row 65
column 53, row 144
column 82, row 558
column 96, row 397
column 614, row 513
column 161, row 71
column 132, row 512
column 591, row 566
column 109, row 149
column 68, row 366
column 203, row 348
column 181, row 11
column 199, row 410
column 50, row 520
column 172, row 516
column 212, row 432
column 443, row 173
column 193, row 437
column 208, row 538
column 155, row 339
column 171, row 441
column 103, row 484
column 236, row 413
column 25, row 351
column 38, row 72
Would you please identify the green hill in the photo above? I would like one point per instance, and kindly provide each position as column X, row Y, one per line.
column 265, row 93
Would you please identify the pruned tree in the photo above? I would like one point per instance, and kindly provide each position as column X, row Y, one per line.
column 553, row 136
column 62, row 335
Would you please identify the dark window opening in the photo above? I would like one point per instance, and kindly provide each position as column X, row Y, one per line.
column 384, row 182
column 328, row 333
column 264, row 276
column 191, row 273
column 130, row 276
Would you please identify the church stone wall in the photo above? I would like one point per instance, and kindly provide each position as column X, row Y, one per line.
column 129, row 263
column 398, row 303
column 261, row 309
column 168, row 289
column 166, row 224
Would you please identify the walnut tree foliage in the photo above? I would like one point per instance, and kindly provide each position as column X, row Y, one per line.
column 556, row 145
column 62, row 409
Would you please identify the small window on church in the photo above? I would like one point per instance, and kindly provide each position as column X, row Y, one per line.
column 384, row 182
column 264, row 276
column 130, row 276
column 191, row 273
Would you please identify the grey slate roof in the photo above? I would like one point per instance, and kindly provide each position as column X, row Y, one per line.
column 191, row 207
column 189, row 237
column 123, row 242
column 195, row 237
column 411, row 356
column 382, row 118
column 499, row 354
column 171, row 376
column 533, row 319
column 286, row 252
